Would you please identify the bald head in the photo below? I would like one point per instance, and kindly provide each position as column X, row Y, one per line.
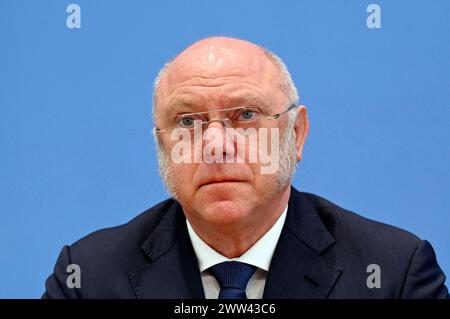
column 215, row 55
column 214, row 59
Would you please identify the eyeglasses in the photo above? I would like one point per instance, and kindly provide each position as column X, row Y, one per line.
column 235, row 117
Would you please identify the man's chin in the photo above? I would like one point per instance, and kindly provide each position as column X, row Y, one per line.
column 225, row 213
column 224, row 203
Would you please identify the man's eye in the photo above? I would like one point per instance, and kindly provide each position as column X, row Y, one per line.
column 186, row 122
column 247, row 115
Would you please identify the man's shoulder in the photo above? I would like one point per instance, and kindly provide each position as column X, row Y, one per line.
column 355, row 229
column 122, row 239
column 106, row 257
column 408, row 264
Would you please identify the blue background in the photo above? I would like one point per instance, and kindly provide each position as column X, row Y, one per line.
column 75, row 113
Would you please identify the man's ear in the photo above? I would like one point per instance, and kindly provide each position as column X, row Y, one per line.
column 301, row 129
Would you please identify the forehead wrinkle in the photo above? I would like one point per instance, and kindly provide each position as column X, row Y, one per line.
column 210, row 60
column 224, row 101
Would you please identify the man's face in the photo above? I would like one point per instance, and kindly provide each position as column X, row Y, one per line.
column 206, row 79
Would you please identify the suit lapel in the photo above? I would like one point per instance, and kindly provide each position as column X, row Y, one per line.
column 173, row 269
column 298, row 268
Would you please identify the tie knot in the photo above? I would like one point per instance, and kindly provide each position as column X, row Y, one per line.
column 233, row 275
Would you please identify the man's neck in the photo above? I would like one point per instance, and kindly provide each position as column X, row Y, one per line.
column 232, row 241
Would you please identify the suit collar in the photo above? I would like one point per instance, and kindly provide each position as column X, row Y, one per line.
column 299, row 268
column 173, row 270
column 305, row 223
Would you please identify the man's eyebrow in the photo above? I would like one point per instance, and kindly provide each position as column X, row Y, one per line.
column 245, row 99
column 181, row 101
column 185, row 104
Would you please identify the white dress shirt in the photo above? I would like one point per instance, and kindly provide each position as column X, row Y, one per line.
column 259, row 255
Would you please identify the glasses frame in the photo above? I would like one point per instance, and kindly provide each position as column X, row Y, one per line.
column 269, row 117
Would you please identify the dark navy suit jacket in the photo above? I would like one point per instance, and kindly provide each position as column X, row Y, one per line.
column 323, row 252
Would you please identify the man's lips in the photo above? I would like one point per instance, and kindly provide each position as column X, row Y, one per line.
column 221, row 181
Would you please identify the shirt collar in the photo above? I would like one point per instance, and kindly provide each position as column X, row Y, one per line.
column 259, row 255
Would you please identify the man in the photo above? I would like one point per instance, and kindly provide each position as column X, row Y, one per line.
column 233, row 229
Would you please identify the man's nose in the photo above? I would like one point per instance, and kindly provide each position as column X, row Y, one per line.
column 218, row 143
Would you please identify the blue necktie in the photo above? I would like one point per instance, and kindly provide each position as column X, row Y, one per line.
column 233, row 277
